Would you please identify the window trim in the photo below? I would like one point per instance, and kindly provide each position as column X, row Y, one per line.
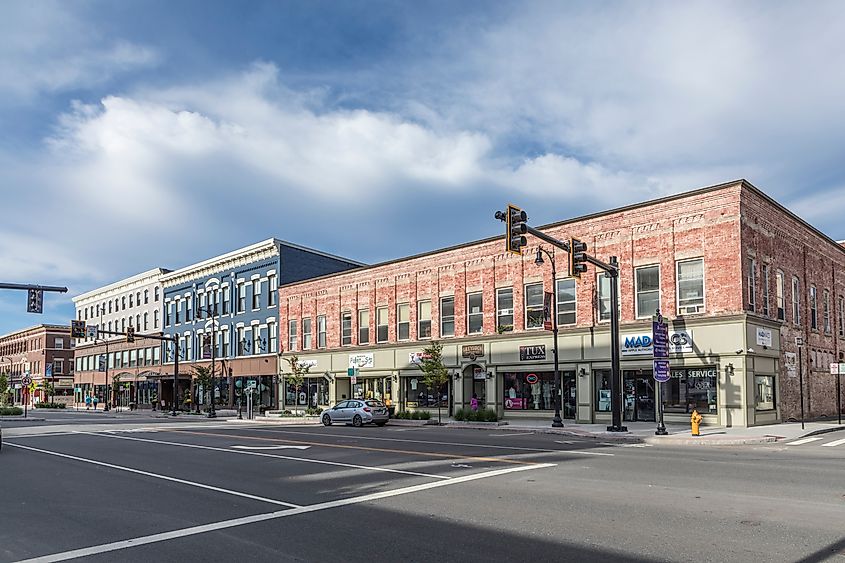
column 399, row 322
column 780, row 295
column 639, row 314
column 703, row 304
column 346, row 335
column 499, row 314
column 420, row 320
column 559, row 303
column 386, row 324
column 533, row 307
column 814, row 307
column 444, row 318
column 470, row 314
column 363, row 326
column 796, row 300
column 292, row 336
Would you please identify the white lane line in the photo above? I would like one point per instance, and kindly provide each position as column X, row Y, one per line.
column 803, row 441
column 509, row 434
column 271, row 447
column 567, row 441
column 358, row 437
column 833, row 444
column 291, row 458
column 156, row 476
column 184, row 532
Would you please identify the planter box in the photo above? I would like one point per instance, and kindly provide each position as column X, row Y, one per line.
column 464, row 424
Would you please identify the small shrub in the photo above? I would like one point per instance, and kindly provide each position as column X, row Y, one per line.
column 490, row 415
column 43, row 405
column 471, row 416
column 415, row 415
column 459, row 414
column 10, row 411
column 425, row 415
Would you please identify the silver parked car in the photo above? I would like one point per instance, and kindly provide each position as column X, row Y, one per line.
column 358, row 412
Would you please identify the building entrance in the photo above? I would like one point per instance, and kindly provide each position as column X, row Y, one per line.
column 639, row 397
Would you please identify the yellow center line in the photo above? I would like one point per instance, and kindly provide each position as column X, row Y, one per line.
column 364, row 448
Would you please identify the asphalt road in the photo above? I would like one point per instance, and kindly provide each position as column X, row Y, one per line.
column 219, row 492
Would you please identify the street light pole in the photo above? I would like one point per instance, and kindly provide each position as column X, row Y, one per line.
column 556, row 421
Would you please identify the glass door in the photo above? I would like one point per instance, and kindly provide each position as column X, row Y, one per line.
column 638, row 396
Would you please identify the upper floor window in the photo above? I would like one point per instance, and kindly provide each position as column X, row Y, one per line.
column 155, row 294
column 292, row 335
column 155, row 319
column 424, row 319
column 240, row 296
column 566, row 304
column 146, row 296
column 225, row 306
column 257, row 344
column 796, row 298
column 603, row 296
column 780, row 300
column 256, row 294
column 534, row 305
column 826, row 310
column 447, row 316
column 123, row 303
column 648, row 290
column 364, row 326
column 58, row 343
column 504, row 309
column 475, row 313
column 321, row 331
column 146, row 319
column 188, row 309
column 381, row 324
column 130, row 301
column 751, row 303
column 346, row 328
column 110, row 306
column 178, row 310
column 242, row 342
column 403, row 321
column 690, row 276
column 273, row 333
column 765, row 296
column 841, row 316
column 273, row 291
column 814, row 321
column 306, row 333
column 138, row 299
column 167, row 313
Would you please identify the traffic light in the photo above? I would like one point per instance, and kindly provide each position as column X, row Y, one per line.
column 577, row 257
column 516, row 229
column 77, row 329
column 34, row 301
column 130, row 334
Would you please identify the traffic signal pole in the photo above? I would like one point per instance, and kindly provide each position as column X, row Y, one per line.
column 612, row 269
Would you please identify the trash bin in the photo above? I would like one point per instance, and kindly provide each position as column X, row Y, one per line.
column 391, row 412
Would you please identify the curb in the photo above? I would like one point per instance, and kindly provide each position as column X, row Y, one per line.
column 605, row 436
column 823, row 431
column 705, row 441
column 20, row 417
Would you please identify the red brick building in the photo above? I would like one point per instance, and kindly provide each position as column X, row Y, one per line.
column 738, row 275
column 45, row 353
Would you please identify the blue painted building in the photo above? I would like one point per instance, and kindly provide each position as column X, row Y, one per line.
column 225, row 314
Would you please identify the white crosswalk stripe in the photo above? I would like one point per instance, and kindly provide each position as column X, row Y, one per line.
column 833, row 444
column 803, row 441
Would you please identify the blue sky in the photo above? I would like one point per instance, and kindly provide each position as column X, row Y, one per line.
column 145, row 134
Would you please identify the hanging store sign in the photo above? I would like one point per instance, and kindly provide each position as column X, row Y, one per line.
column 472, row 351
column 790, row 364
column 361, row 360
column 536, row 352
column 416, row 358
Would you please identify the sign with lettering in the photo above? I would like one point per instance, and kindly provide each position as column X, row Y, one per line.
column 536, row 352
column 547, row 310
column 764, row 337
column 684, row 373
column 680, row 341
column 637, row 345
column 660, row 343
column 472, row 351
column 361, row 360
column 661, row 371
column 791, row 364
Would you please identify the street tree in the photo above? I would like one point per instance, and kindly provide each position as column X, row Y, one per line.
column 203, row 376
column 4, row 389
column 435, row 374
column 296, row 376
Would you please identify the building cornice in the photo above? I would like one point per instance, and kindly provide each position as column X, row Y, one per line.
column 37, row 329
column 131, row 283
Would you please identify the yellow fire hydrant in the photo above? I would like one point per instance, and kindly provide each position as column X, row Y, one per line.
column 695, row 420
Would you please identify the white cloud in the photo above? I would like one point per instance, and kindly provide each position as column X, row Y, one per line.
column 47, row 48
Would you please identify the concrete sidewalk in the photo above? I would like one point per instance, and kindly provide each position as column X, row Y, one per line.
column 679, row 434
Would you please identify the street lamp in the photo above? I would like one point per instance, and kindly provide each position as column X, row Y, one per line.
column 556, row 421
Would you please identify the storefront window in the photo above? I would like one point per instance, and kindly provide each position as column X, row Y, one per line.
column 602, row 390
column 418, row 394
column 529, row 390
column 690, row 388
column 313, row 392
column 764, row 393
column 379, row 388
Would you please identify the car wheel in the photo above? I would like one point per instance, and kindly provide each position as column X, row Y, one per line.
column 327, row 420
column 381, row 423
column 357, row 421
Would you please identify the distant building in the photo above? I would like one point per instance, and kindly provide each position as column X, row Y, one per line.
column 109, row 366
column 739, row 276
column 231, row 301
column 43, row 352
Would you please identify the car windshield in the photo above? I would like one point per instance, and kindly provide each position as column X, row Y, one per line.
column 374, row 404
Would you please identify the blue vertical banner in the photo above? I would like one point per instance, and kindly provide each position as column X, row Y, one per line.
column 660, row 347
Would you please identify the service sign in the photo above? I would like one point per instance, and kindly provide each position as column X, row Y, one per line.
column 680, row 341
column 472, row 351
column 764, row 337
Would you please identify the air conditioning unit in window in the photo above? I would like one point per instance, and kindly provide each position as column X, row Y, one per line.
column 691, row 310
column 506, row 312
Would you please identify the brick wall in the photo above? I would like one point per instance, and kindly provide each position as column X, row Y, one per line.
column 785, row 243
column 701, row 224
